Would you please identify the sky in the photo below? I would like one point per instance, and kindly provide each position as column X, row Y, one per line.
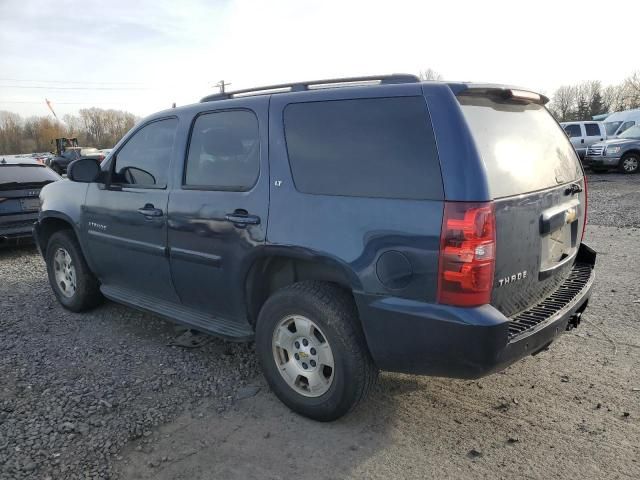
column 141, row 56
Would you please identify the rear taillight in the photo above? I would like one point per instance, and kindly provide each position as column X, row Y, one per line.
column 467, row 254
column 584, row 224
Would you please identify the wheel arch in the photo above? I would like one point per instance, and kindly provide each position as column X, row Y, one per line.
column 274, row 270
column 52, row 222
column 633, row 151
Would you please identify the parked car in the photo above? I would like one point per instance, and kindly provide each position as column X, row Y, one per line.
column 105, row 151
column 427, row 228
column 622, row 153
column 618, row 122
column 21, row 180
column 584, row 134
column 59, row 163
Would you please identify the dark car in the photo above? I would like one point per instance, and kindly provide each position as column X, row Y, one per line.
column 21, row 180
column 621, row 153
column 59, row 163
column 345, row 225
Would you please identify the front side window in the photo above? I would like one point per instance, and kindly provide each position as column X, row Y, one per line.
column 611, row 127
column 144, row 159
column 632, row 133
column 625, row 126
column 374, row 147
column 224, row 151
column 593, row 130
column 573, row 130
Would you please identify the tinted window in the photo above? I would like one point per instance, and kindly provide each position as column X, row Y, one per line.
column 144, row 159
column 521, row 145
column 224, row 152
column 25, row 174
column 573, row 130
column 381, row 147
column 593, row 130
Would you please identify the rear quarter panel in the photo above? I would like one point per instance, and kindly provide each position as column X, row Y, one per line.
column 353, row 232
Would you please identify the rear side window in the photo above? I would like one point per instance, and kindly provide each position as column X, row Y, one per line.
column 522, row 146
column 380, row 147
column 224, row 152
column 593, row 130
column 573, row 130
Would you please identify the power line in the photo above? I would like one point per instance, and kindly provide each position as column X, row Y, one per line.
column 74, row 88
column 67, row 81
column 64, row 103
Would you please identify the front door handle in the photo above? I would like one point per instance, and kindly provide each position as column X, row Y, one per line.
column 241, row 218
column 582, row 140
column 150, row 211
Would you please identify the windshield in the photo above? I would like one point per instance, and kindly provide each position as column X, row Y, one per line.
column 633, row 133
column 522, row 146
column 611, row 127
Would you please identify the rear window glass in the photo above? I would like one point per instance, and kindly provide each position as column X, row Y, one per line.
column 380, row 147
column 10, row 174
column 522, row 146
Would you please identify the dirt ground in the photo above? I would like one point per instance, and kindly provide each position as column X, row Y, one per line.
column 570, row 412
column 102, row 395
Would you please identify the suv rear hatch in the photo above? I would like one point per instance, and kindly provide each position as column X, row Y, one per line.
column 538, row 190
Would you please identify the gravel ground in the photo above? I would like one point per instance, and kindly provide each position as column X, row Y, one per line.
column 101, row 395
column 614, row 199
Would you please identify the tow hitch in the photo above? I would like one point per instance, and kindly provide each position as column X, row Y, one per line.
column 575, row 319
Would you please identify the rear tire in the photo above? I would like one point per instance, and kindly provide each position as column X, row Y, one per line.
column 629, row 163
column 324, row 316
column 73, row 284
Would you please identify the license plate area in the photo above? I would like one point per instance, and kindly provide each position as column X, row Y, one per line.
column 30, row 204
column 559, row 235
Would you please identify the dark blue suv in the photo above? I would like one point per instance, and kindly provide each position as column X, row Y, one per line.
column 346, row 225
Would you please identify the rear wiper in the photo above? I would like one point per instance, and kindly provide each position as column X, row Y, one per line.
column 24, row 185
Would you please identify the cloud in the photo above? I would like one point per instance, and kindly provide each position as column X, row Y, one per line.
column 179, row 50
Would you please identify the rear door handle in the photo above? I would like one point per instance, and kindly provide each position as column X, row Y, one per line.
column 242, row 218
column 150, row 211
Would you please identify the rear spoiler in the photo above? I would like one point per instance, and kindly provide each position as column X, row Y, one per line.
column 515, row 94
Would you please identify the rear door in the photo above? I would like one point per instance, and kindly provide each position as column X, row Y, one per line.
column 218, row 215
column 575, row 132
column 537, row 185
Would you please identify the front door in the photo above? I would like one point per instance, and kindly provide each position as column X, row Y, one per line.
column 126, row 220
column 576, row 136
column 219, row 214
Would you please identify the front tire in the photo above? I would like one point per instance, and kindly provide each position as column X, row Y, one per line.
column 312, row 350
column 630, row 163
column 73, row 284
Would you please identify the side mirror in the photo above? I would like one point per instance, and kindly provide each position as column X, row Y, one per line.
column 84, row 170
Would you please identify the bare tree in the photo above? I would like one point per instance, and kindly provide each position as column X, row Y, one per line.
column 563, row 103
column 430, row 74
column 11, row 138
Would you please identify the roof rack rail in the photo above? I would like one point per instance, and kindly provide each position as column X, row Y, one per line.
column 314, row 85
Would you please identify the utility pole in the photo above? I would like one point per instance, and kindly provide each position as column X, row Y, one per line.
column 221, row 85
